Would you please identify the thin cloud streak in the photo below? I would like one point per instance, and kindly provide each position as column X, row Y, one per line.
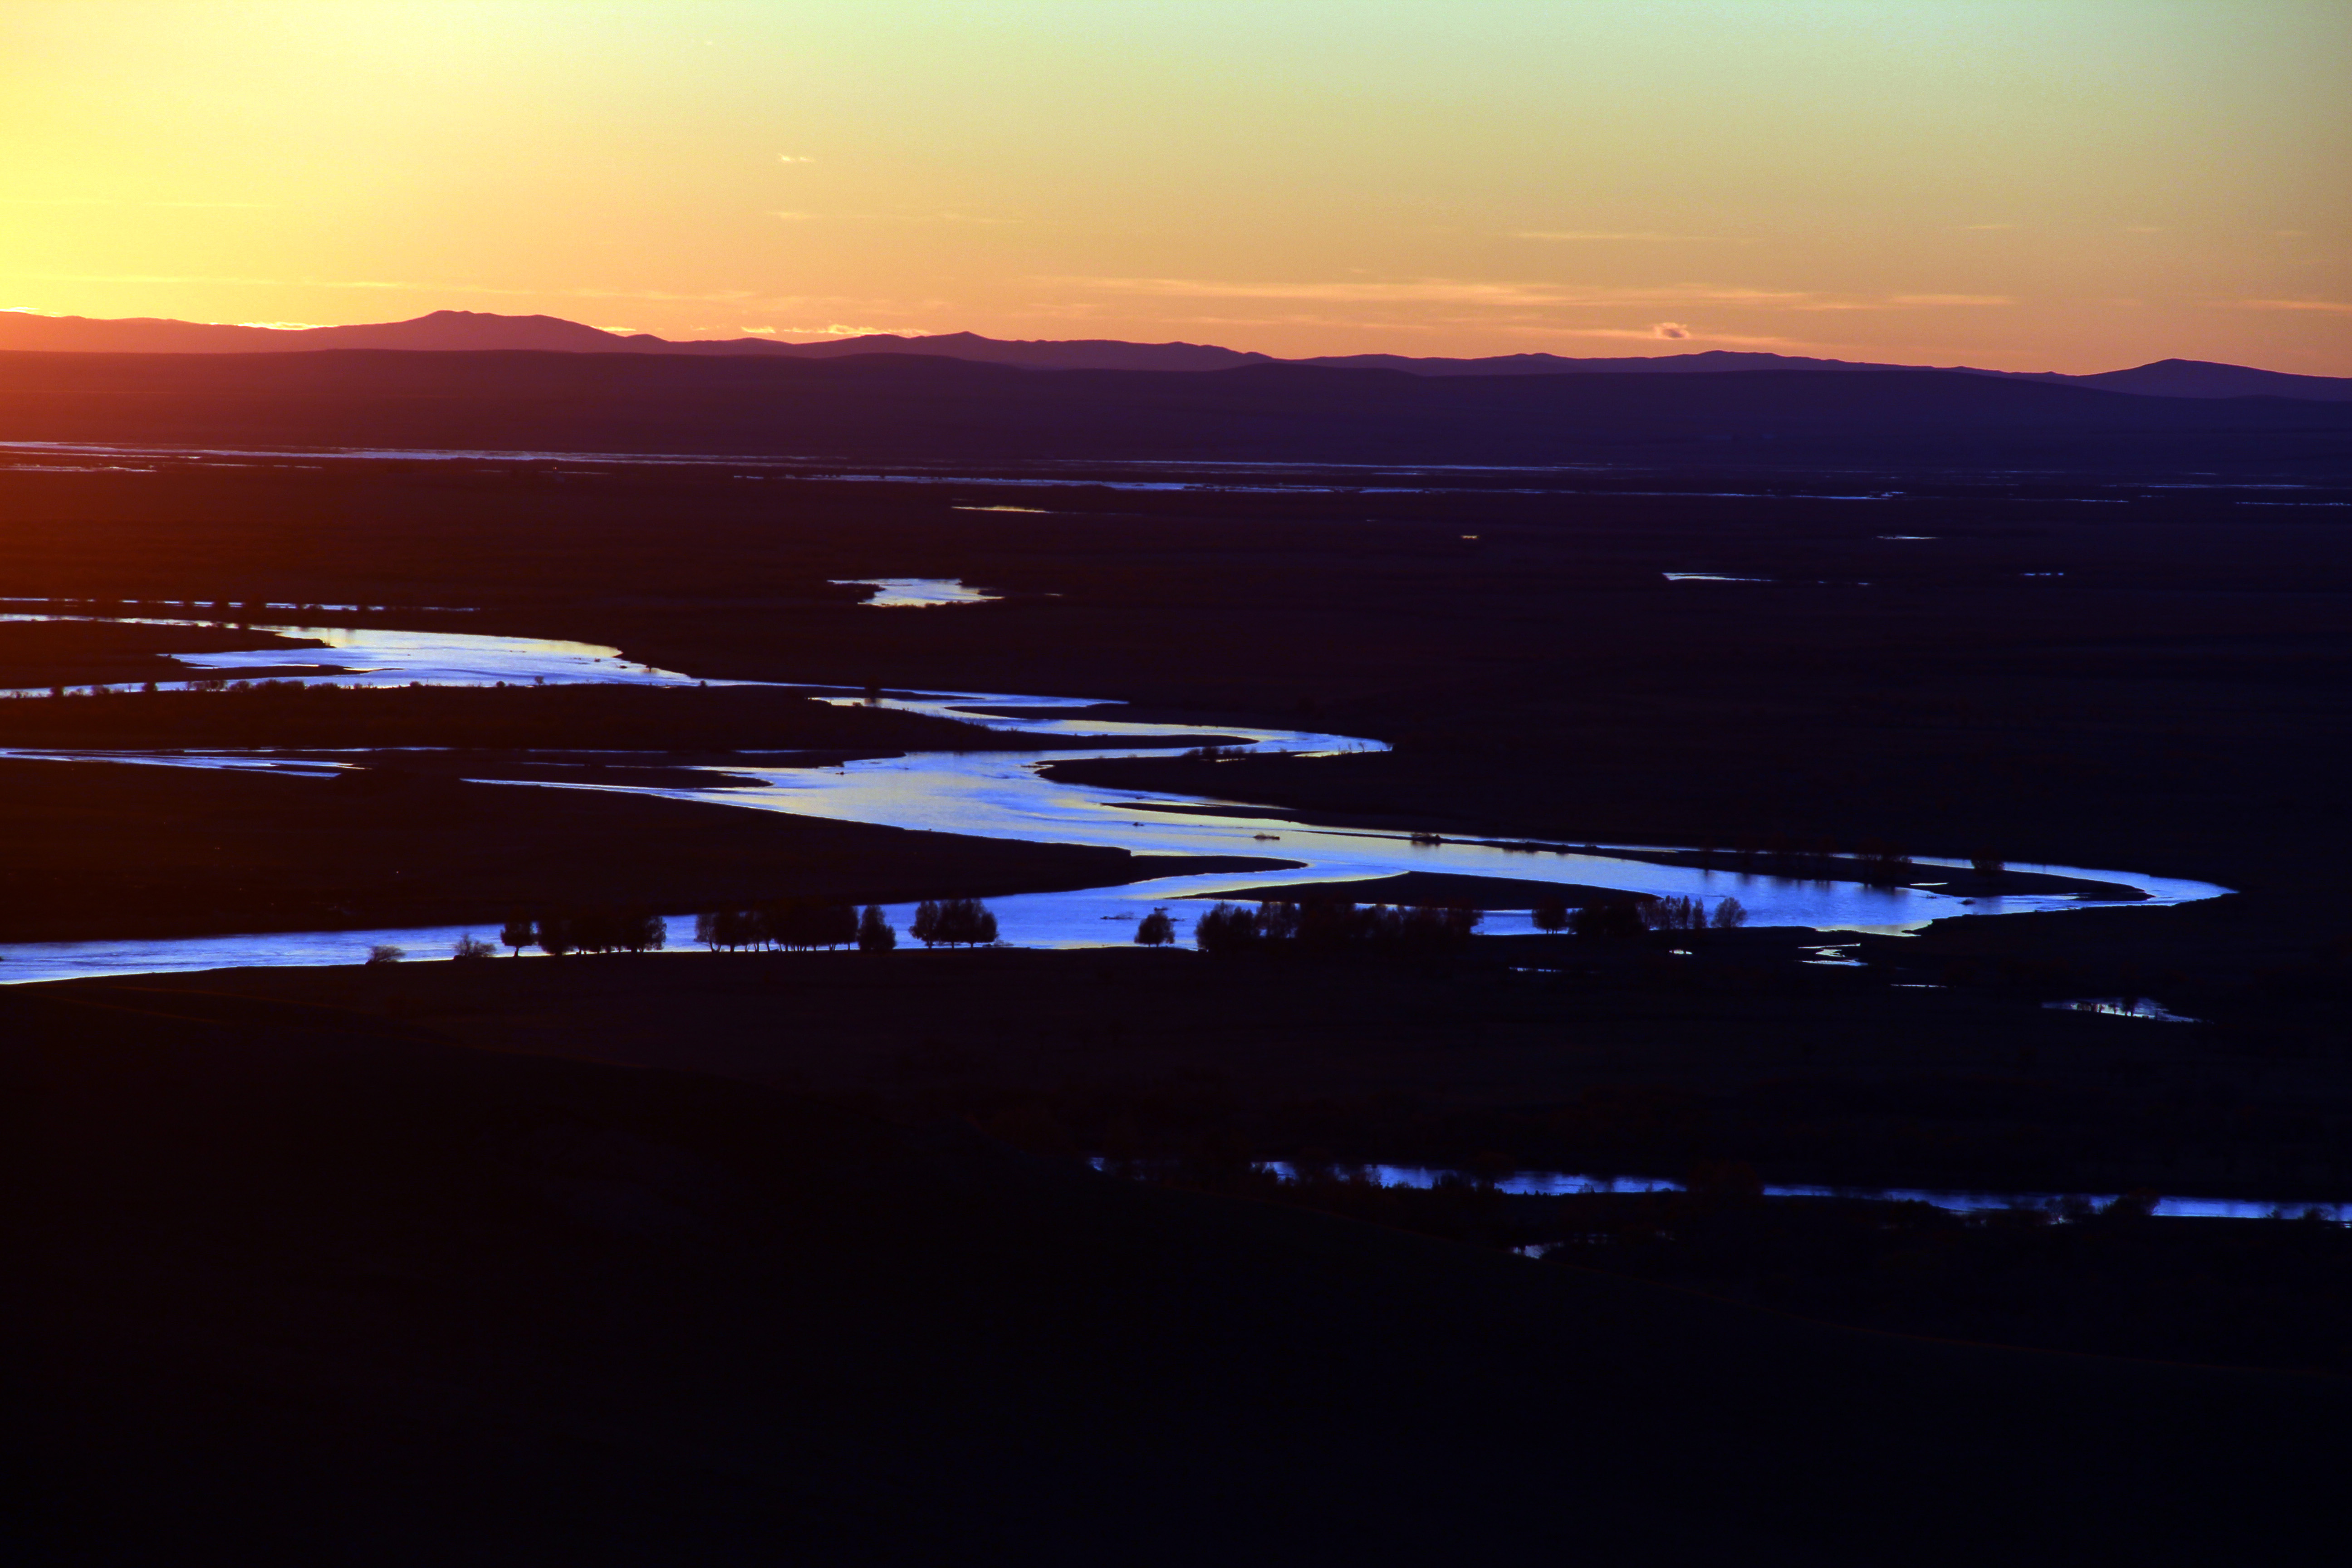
column 794, row 216
column 1574, row 235
column 1530, row 296
column 2328, row 306
column 1439, row 291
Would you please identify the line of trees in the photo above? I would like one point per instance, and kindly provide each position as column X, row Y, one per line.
column 794, row 923
column 1334, row 926
column 797, row 924
column 1622, row 918
column 953, row 922
column 584, row 931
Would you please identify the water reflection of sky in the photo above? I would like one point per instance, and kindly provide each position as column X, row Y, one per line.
column 914, row 593
column 1557, row 1183
column 1002, row 795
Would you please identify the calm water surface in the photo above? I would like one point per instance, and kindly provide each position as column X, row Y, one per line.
column 995, row 795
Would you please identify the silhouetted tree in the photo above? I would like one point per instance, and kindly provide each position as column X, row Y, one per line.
column 1884, row 865
column 1226, row 928
column 1552, row 915
column 1984, row 863
column 1613, row 921
column 1730, row 915
column 1436, row 928
column 954, row 922
column 1674, row 913
column 555, row 937
column 1155, row 930
column 471, row 946
column 967, row 920
column 518, row 933
column 874, row 932
column 597, row 931
column 640, row 930
column 385, row 953
column 801, row 923
column 740, row 929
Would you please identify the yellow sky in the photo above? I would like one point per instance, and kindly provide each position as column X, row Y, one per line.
column 2064, row 185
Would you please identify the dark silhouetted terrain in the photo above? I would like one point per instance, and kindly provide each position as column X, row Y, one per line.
column 910, row 409
column 468, row 331
column 312, row 1286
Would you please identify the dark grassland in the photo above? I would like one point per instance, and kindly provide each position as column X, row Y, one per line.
column 629, row 1294
column 307, row 1287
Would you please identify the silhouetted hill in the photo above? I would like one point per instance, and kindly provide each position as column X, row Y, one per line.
column 1081, row 354
column 873, row 407
column 1703, row 361
column 457, row 331
column 475, row 332
column 443, row 331
column 2203, row 378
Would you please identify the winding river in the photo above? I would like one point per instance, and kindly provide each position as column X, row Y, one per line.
column 997, row 794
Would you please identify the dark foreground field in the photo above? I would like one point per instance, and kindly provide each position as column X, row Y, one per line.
column 1639, row 1063
column 313, row 1287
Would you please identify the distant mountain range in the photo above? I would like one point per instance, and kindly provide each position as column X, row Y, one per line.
column 473, row 331
column 885, row 408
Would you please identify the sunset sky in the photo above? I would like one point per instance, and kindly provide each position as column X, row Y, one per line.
column 2061, row 184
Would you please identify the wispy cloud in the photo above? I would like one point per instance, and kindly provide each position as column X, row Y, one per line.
column 1440, row 291
column 795, row 216
column 1531, row 299
column 2327, row 306
column 842, row 329
column 791, row 158
column 1667, row 332
column 1904, row 303
column 1641, row 236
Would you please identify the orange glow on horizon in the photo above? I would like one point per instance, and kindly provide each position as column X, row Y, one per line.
column 2069, row 185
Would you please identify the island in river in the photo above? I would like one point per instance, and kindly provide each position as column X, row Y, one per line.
column 104, row 849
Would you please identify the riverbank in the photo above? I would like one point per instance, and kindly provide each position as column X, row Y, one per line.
column 39, row 654
column 588, row 716
column 111, row 850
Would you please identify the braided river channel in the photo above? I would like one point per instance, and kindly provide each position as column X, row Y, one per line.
column 998, row 794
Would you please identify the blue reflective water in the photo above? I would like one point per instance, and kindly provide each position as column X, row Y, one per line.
column 915, row 593
column 1002, row 794
column 1559, row 1184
